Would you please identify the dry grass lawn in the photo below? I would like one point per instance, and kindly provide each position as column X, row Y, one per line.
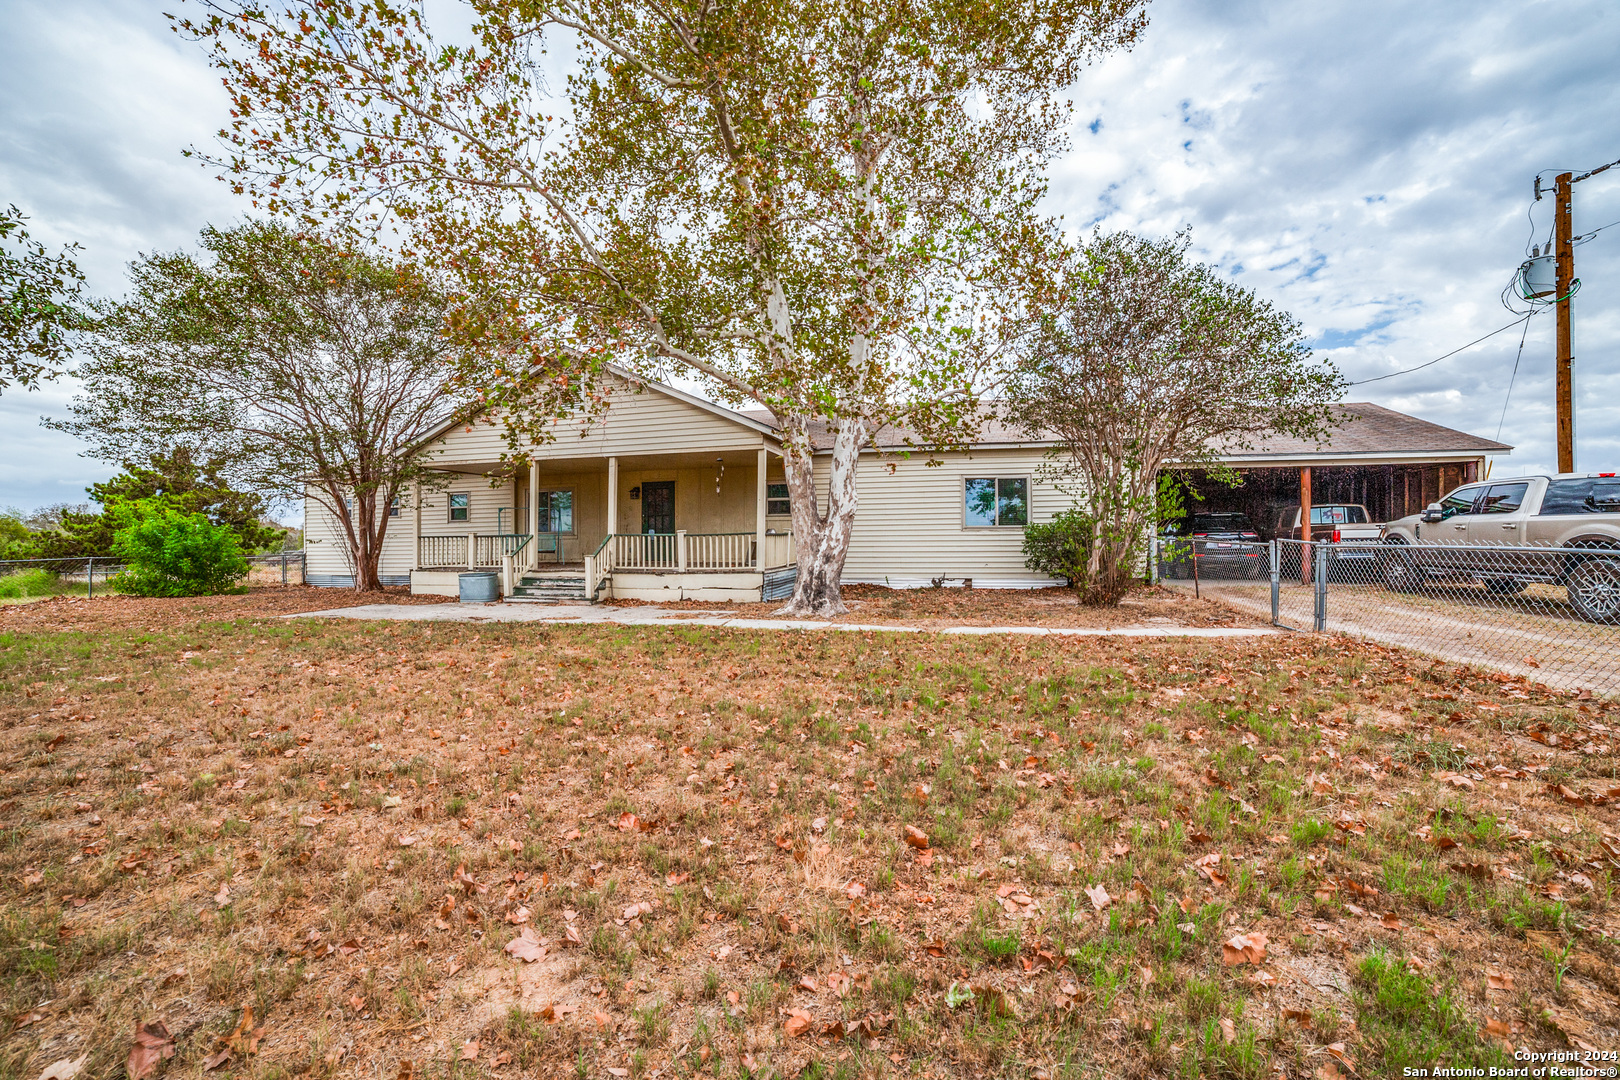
column 335, row 849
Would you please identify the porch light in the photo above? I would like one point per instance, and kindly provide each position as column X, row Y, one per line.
column 635, row 493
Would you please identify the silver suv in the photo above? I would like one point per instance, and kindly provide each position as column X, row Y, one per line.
column 1508, row 533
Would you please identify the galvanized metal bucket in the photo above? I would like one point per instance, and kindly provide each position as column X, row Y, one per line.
column 479, row 587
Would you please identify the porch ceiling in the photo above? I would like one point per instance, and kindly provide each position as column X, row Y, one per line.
column 688, row 460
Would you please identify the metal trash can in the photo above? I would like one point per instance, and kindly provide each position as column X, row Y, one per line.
column 479, row 587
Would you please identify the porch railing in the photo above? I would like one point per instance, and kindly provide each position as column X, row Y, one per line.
column 471, row 549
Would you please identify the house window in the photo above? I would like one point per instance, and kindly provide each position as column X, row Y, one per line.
column 989, row 501
column 556, row 511
column 393, row 507
column 460, row 506
column 776, row 499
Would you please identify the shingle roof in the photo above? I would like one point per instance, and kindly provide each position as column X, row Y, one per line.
column 1365, row 428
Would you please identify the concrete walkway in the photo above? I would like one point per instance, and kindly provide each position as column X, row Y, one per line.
column 653, row 616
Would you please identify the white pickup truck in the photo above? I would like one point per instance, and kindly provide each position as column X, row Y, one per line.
column 1331, row 523
column 1562, row 530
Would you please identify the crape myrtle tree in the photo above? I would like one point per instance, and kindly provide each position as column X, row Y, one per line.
column 39, row 305
column 291, row 365
column 812, row 205
column 1145, row 364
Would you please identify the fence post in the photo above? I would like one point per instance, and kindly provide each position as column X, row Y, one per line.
column 283, row 569
column 90, row 579
column 1321, row 587
column 1276, row 579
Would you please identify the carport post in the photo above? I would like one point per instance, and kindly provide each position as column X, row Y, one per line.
column 1305, row 523
column 1276, row 577
column 1321, row 587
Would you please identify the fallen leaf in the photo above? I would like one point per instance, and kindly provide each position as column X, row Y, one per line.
column 1099, row 897
column 854, row 890
column 1263, row 979
column 1244, row 949
column 603, row 1020
column 1228, row 1031
column 526, row 946
column 153, row 1044
column 66, row 1069
column 798, row 1022
column 469, row 1050
column 916, row 838
column 1298, row 1016
column 1498, row 980
column 1341, row 1055
column 223, row 897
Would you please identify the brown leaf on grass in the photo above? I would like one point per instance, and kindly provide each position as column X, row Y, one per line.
column 571, row 938
column 526, row 946
column 518, row 916
column 66, row 1069
column 1353, row 826
column 153, row 1044
column 1244, row 949
column 465, row 880
column 993, row 1001
column 469, row 1050
column 916, row 838
column 798, row 1023
column 1572, row 797
column 1228, row 1031
column 1341, row 1055
column 244, row 1040
column 1498, row 980
column 854, row 890
column 1302, row 1017
column 1099, row 897
column 1328, row 1071
column 1392, row 921
column 673, row 880
column 1265, row 980
column 32, row 876
column 934, row 948
column 603, row 1020
column 1455, row 779
column 406, row 1067
column 223, row 897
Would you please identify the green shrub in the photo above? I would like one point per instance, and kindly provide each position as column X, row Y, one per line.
column 25, row 584
column 1060, row 547
column 168, row 553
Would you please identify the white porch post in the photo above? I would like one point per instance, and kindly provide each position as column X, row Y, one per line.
column 416, row 527
column 759, row 514
column 534, row 517
column 472, row 551
column 680, row 550
column 613, row 496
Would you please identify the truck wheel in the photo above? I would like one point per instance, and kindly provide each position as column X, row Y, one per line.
column 1400, row 569
column 1504, row 586
column 1594, row 590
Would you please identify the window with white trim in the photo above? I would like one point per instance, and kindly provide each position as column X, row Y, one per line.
column 556, row 511
column 460, row 506
column 777, row 500
column 993, row 501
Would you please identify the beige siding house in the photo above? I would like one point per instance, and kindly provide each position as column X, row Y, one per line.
column 666, row 496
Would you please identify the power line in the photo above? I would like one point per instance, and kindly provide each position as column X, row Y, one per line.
column 1453, row 352
column 1512, row 378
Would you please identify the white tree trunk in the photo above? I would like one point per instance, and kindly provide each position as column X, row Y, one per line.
column 823, row 540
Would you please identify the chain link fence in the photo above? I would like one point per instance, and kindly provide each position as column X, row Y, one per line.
column 1551, row 615
column 90, row 576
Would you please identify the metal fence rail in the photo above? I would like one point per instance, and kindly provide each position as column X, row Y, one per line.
column 1548, row 614
column 95, row 573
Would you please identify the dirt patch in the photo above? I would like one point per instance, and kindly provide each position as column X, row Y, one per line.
column 76, row 614
column 939, row 608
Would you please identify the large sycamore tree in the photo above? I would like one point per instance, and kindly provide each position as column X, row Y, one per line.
column 812, row 205
column 297, row 367
column 1146, row 364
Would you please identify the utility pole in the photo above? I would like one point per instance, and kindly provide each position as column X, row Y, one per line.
column 1564, row 267
column 1563, row 290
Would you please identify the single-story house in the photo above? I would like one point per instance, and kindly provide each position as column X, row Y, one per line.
column 668, row 496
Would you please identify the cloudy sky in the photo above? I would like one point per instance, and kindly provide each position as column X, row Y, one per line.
column 1366, row 164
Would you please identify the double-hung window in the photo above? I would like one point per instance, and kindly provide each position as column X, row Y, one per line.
column 776, row 499
column 556, row 511
column 460, row 506
column 991, row 501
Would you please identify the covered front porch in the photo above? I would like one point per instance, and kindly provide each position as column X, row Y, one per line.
column 683, row 525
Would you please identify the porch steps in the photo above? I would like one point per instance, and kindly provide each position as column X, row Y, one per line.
column 548, row 589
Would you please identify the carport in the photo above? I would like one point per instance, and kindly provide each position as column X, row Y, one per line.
column 1389, row 462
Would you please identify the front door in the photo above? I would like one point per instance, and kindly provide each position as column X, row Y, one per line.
column 658, row 506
